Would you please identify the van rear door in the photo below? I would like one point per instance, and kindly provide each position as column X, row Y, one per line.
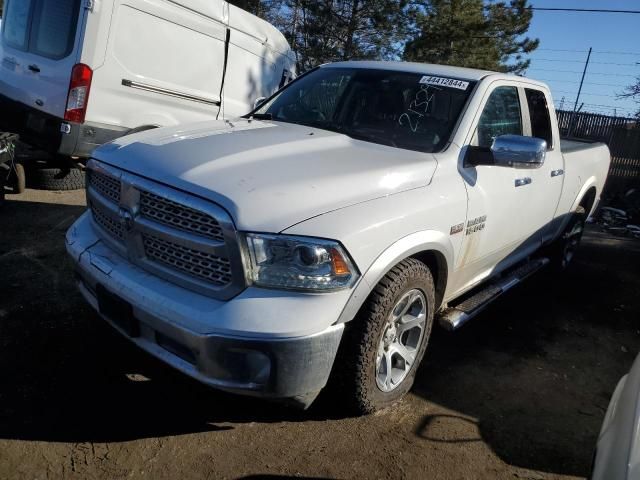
column 40, row 46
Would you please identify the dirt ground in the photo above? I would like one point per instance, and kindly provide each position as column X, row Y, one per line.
column 518, row 393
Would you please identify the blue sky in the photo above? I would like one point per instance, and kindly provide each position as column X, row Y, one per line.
column 615, row 61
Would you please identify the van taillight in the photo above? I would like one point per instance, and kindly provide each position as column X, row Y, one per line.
column 78, row 97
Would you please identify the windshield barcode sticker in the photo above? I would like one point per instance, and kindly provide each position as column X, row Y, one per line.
column 444, row 82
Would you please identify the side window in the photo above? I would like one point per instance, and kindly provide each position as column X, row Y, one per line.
column 501, row 116
column 540, row 119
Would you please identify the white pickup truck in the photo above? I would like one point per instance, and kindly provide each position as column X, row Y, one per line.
column 321, row 235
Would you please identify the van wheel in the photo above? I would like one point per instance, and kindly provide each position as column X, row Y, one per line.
column 384, row 344
column 565, row 247
column 3, row 181
column 70, row 178
column 20, row 179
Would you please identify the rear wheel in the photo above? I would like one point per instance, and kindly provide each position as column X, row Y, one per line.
column 385, row 343
column 565, row 247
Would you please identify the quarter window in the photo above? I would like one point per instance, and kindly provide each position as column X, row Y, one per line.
column 539, row 113
column 501, row 116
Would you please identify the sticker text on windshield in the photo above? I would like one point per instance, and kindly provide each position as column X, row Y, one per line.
column 444, row 82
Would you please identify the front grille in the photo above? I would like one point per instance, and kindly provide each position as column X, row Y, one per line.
column 167, row 212
column 108, row 187
column 111, row 226
column 199, row 264
column 198, row 252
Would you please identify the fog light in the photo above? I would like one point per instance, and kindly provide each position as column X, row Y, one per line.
column 247, row 366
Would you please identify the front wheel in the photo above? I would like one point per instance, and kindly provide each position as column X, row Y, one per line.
column 385, row 343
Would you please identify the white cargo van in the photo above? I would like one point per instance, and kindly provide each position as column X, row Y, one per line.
column 75, row 74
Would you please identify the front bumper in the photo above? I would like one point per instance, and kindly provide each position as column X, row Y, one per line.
column 244, row 345
column 53, row 134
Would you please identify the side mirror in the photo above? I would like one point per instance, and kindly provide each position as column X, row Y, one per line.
column 259, row 101
column 510, row 151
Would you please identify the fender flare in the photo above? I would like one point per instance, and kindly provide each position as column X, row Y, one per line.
column 590, row 182
column 412, row 244
column 142, row 128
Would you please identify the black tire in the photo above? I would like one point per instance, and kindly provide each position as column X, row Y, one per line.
column 20, row 179
column 69, row 178
column 563, row 249
column 356, row 368
column 3, row 181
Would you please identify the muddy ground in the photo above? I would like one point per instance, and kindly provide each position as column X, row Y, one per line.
column 518, row 393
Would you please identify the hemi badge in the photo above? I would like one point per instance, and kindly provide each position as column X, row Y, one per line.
column 457, row 228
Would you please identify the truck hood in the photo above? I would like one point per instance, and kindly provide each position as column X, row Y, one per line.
column 269, row 175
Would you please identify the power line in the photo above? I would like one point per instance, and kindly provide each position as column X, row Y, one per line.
column 588, row 10
column 586, row 83
column 580, row 61
column 587, row 93
column 607, row 52
column 590, row 73
column 608, row 106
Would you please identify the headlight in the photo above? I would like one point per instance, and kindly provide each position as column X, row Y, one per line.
column 280, row 261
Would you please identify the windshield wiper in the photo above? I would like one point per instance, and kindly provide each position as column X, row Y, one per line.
column 259, row 116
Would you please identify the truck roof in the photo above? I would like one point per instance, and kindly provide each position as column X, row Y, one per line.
column 472, row 74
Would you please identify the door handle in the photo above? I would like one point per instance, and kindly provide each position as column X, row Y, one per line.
column 556, row 173
column 34, row 68
column 523, row 181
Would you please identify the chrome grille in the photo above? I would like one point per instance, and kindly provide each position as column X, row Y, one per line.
column 108, row 187
column 202, row 265
column 111, row 226
column 179, row 216
column 184, row 239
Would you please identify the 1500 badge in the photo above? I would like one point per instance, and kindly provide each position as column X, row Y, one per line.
column 476, row 224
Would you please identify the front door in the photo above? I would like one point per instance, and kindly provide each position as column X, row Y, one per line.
column 499, row 231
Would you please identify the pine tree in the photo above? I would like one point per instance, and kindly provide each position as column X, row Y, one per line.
column 321, row 31
column 334, row 30
column 471, row 33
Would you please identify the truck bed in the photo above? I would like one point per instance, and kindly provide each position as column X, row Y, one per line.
column 571, row 146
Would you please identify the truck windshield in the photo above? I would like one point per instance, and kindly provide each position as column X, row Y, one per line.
column 42, row 27
column 413, row 111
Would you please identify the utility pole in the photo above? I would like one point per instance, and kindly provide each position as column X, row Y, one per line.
column 575, row 105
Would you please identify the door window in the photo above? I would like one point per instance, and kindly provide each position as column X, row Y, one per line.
column 43, row 27
column 539, row 113
column 16, row 23
column 501, row 116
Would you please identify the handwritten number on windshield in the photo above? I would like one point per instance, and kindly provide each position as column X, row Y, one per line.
column 417, row 108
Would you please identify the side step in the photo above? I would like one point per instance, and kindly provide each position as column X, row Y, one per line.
column 455, row 316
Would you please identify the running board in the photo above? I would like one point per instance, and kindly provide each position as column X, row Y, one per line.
column 455, row 316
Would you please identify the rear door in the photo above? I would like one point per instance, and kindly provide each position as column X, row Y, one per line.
column 546, row 181
column 40, row 45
